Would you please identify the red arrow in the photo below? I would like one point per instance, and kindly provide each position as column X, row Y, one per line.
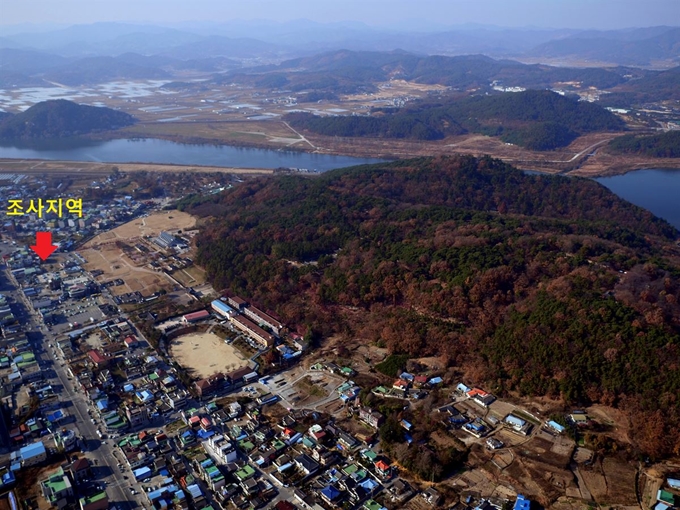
column 43, row 245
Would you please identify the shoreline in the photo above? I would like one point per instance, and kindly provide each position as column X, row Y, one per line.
column 596, row 164
column 53, row 166
column 584, row 164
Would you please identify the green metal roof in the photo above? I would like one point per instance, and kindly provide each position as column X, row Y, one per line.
column 370, row 454
column 348, row 470
column 93, row 498
column 57, row 483
column 245, row 473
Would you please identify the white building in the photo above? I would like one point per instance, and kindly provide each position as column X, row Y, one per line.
column 220, row 449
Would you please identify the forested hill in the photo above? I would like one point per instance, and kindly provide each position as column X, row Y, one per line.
column 61, row 118
column 531, row 284
column 535, row 119
column 661, row 145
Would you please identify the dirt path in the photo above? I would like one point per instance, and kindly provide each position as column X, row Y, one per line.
column 584, row 151
column 301, row 137
column 582, row 487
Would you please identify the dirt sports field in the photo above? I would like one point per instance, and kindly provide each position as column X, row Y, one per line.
column 105, row 252
column 205, row 354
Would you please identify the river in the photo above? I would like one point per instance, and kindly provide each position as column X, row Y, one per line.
column 653, row 189
column 656, row 190
column 151, row 150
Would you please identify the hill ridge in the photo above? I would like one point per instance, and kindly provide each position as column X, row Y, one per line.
column 61, row 118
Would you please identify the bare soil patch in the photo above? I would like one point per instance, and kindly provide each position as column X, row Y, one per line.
column 620, row 476
column 614, row 418
column 153, row 224
column 595, row 481
column 109, row 252
column 205, row 354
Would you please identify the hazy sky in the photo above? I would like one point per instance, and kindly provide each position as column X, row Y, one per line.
column 542, row 13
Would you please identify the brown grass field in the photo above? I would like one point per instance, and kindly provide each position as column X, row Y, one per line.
column 90, row 169
column 233, row 132
column 190, row 277
column 102, row 252
column 205, row 354
column 153, row 224
column 116, row 265
column 620, row 482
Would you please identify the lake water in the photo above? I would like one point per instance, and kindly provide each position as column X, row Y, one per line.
column 654, row 189
column 162, row 151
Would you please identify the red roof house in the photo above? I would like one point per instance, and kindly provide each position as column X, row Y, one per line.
column 196, row 316
column 97, row 358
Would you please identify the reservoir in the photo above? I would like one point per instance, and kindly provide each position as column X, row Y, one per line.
column 656, row 190
column 151, row 150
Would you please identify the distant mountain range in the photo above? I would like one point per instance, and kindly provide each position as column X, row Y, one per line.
column 59, row 119
column 343, row 72
column 31, row 68
column 290, row 56
column 636, row 47
column 262, row 39
column 460, row 71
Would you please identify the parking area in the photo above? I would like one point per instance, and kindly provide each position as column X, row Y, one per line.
column 305, row 388
column 77, row 313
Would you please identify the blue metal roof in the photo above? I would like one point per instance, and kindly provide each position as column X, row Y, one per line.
column 514, row 420
column 222, row 306
column 142, row 472
column 287, row 465
column 156, row 494
column 556, row 426
column 194, row 490
column 369, row 484
column 32, row 450
column 8, row 478
column 55, row 416
column 522, row 503
column 330, row 492
column 205, row 434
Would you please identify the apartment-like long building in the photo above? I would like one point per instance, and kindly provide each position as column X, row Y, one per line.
column 261, row 317
column 253, row 330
